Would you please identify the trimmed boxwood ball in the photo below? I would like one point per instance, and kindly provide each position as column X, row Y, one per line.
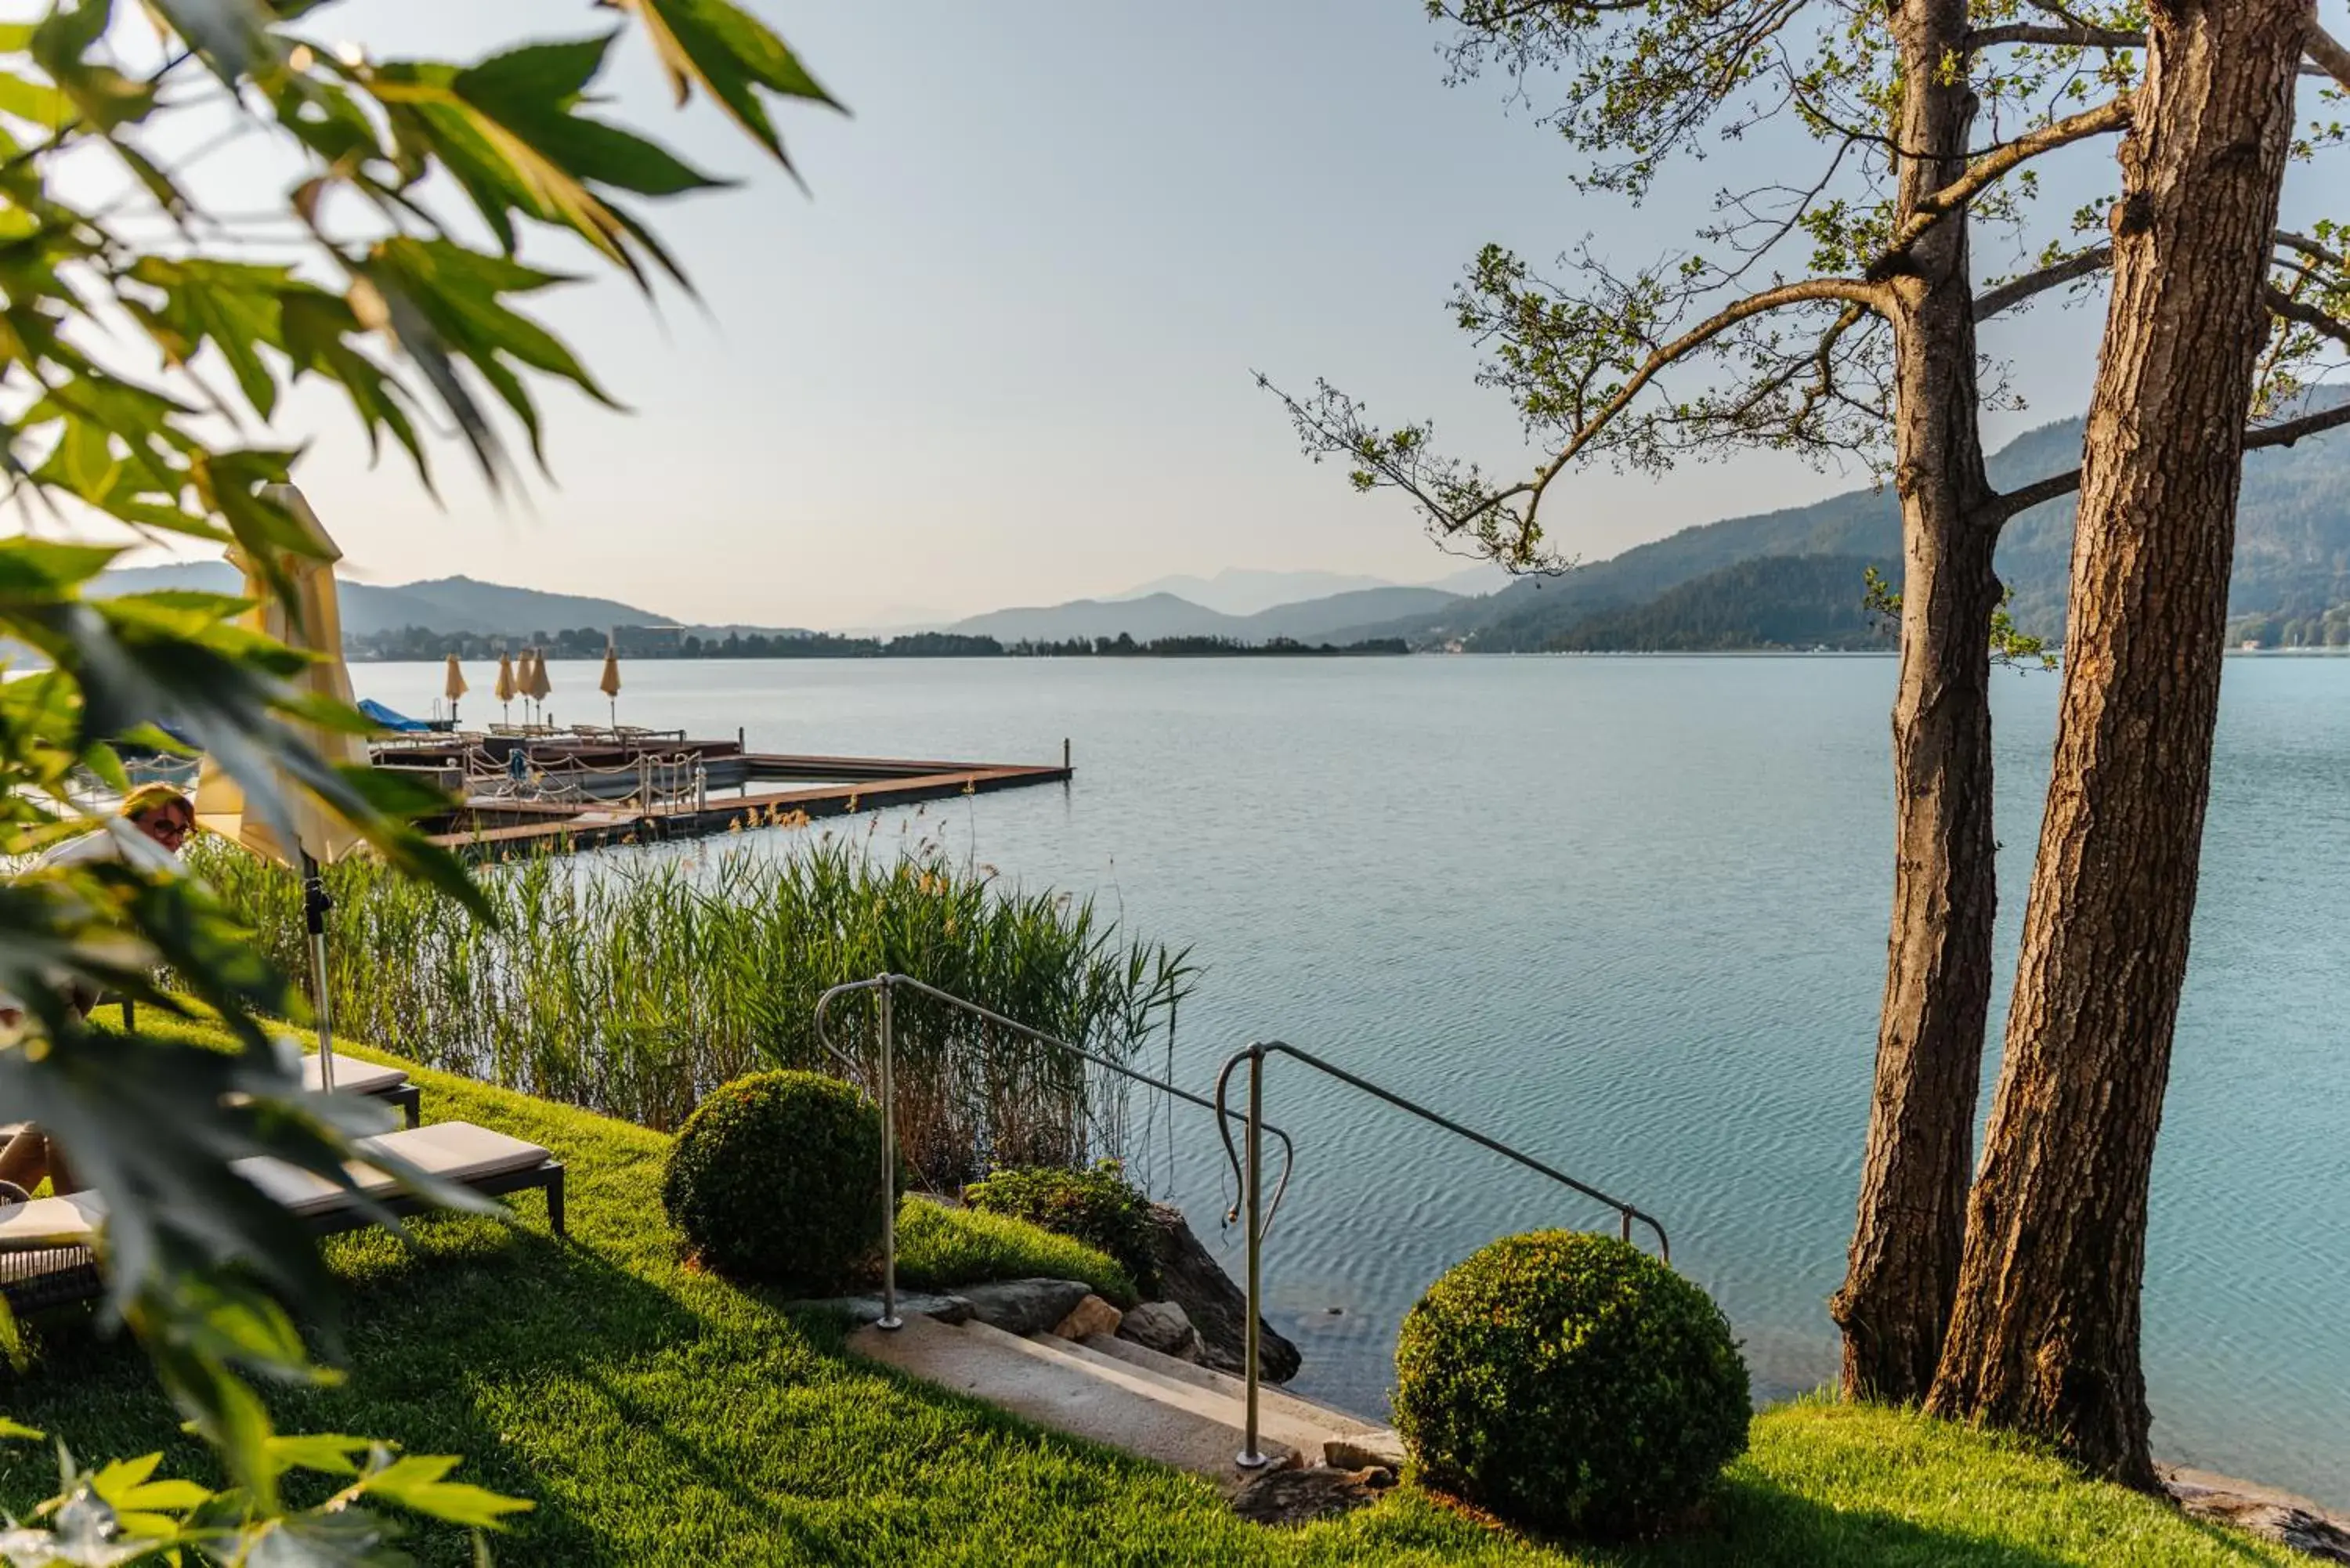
column 776, row 1178
column 1570, row 1384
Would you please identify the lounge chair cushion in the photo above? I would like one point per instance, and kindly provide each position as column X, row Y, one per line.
column 454, row 1151
column 68, row 1222
column 352, row 1076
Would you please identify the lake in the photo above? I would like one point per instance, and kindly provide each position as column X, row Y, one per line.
column 1627, row 914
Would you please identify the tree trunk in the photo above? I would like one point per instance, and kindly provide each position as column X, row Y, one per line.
column 2045, row 1333
column 1906, row 1243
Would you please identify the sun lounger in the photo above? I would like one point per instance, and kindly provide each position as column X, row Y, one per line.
column 353, row 1076
column 46, row 1257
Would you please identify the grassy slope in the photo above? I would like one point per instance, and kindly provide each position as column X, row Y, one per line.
column 658, row 1417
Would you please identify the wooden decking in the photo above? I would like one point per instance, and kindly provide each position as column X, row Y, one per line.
column 850, row 784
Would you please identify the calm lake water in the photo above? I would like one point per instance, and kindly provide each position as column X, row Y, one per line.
column 1627, row 914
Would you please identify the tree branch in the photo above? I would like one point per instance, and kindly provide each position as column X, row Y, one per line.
column 2114, row 114
column 2016, row 290
column 2075, row 36
column 2281, row 303
column 2286, row 433
column 2327, row 53
column 1854, row 291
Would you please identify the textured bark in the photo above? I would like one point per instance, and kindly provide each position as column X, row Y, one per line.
column 2044, row 1336
column 1907, row 1239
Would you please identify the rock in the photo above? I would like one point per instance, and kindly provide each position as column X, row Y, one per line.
column 911, row 1303
column 1161, row 1326
column 1025, row 1307
column 1193, row 1279
column 2260, row 1511
column 1301, row 1496
column 1382, row 1449
column 1090, row 1316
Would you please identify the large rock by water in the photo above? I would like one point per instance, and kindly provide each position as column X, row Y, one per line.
column 1193, row 1279
column 1024, row 1306
column 1161, row 1326
column 2264, row 1512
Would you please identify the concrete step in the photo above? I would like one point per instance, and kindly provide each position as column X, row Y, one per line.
column 1292, row 1426
column 1332, row 1421
column 1059, row 1384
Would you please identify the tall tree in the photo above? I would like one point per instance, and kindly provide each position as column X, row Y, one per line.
column 1831, row 314
column 2045, row 1334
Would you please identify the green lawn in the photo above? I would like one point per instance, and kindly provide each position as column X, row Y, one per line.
column 656, row 1415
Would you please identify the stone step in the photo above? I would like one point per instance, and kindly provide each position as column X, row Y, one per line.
column 1291, row 1425
column 1061, row 1385
column 1332, row 1421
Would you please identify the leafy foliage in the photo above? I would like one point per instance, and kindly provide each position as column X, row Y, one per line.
column 775, row 1177
column 135, row 364
column 1098, row 1206
column 1570, row 1382
column 1776, row 326
column 122, row 1513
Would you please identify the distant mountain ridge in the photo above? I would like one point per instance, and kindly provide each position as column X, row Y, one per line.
column 457, row 604
column 2292, row 551
column 1162, row 615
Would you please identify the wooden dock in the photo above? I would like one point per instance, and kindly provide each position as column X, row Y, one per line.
column 848, row 786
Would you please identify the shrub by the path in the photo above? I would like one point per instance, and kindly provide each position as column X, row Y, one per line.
column 776, row 1178
column 1570, row 1383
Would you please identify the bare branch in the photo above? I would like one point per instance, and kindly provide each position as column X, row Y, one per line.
column 2290, row 241
column 2074, row 36
column 2327, row 53
column 2284, row 432
column 2114, row 114
column 2015, row 291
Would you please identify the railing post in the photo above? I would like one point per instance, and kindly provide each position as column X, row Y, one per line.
column 1251, row 1455
column 889, row 1318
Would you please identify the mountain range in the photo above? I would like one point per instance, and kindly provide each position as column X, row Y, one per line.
column 1701, row 588
column 443, row 604
column 2293, row 562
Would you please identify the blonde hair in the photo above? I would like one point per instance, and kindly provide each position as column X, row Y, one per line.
column 152, row 797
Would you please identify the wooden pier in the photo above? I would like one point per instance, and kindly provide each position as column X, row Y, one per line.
column 725, row 795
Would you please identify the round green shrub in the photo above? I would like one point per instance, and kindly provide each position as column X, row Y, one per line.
column 1570, row 1384
column 1098, row 1206
column 776, row 1178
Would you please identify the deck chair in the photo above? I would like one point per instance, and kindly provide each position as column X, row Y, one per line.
column 47, row 1245
column 353, row 1076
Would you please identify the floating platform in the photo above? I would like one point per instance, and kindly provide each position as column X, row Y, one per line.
column 645, row 791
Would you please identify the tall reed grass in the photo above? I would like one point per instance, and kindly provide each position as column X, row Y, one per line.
column 631, row 982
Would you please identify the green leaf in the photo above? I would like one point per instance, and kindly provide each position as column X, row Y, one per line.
column 732, row 54
column 414, row 1482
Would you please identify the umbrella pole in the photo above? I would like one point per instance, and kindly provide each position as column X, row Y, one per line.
column 314, row 905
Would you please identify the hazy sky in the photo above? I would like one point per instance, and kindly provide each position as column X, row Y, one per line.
column 999, row 350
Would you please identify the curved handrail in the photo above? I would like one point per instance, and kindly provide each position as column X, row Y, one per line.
column 1259, row 1050
column 824, row 1038
column 1251, row 1180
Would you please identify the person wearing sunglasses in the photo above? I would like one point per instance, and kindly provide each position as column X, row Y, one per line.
column 163, row 814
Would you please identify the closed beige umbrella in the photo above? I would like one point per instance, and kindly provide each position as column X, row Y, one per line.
column 320, row 837
column 536, row 683
column 507, row 688
column 452, row 686
column 610, row 684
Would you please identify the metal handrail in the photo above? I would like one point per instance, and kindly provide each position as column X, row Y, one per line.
column 1252, row 1178
column 883, row 985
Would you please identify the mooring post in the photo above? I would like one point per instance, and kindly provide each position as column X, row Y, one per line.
column 889, row 1318
column 1064, row 753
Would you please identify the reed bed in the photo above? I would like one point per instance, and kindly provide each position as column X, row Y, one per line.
column 632, row 982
